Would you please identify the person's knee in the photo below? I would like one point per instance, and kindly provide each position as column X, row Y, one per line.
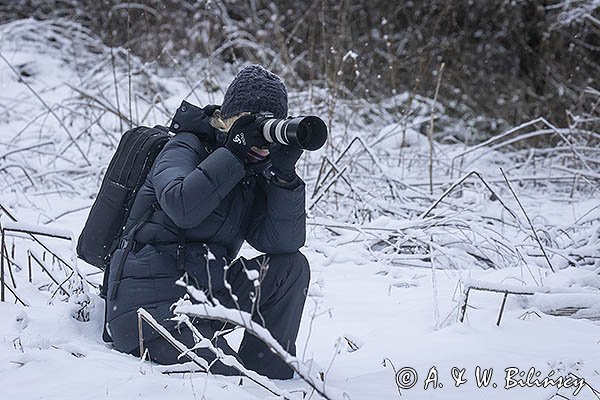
column 303, row 268
column 291, row 265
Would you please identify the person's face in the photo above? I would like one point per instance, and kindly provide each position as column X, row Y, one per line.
column 262, row 152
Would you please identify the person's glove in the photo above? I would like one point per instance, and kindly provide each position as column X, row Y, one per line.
column 189, row 118
column 243, row 135
column 283, row 161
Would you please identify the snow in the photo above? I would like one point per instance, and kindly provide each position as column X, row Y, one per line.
column 37, row 229
column 372, row 292
column 252, row 274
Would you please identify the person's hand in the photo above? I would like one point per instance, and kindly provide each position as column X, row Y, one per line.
column 196, row 120
column 283, row 161
column 243, row 135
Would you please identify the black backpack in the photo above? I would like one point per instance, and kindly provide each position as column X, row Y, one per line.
column 124, row 176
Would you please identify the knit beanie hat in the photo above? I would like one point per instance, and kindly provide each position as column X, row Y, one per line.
column 255, row 89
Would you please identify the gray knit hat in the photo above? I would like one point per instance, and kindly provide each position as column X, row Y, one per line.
column 254, row 90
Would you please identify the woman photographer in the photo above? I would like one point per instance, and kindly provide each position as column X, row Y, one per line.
column 216, row 183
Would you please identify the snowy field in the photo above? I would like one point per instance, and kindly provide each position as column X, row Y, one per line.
column 391, row 262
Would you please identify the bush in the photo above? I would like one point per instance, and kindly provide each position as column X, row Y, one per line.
column 509, row 60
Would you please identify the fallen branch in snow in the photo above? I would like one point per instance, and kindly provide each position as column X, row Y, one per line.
column 37, row 230
column 516, row 290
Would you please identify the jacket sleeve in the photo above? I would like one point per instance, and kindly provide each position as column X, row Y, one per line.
column 278, row 223
column 189, row 184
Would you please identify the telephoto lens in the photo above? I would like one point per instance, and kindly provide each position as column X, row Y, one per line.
column 308, row 133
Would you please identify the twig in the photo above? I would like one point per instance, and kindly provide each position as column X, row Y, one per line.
column 241, row 318
column 104, row 106
column 145, row 316
column 58, row 119
column 430, row 136
column 493, row 140
column 436, row 309
column 528, row 220
column 458, row 182
column 114, row 71
column 129, row 66
column 502, row 308
column 33, row 146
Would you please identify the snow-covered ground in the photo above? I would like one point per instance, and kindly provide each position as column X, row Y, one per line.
column 387, row 274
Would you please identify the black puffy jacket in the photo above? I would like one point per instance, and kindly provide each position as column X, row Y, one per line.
column 204, row 197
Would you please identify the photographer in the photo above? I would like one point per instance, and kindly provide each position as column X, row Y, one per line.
column 216, row 188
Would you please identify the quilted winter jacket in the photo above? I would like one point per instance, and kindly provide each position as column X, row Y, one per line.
column 205, row 198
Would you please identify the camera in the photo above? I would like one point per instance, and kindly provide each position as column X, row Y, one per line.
column 307, row 132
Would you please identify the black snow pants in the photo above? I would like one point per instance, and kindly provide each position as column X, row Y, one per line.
column 281, row 298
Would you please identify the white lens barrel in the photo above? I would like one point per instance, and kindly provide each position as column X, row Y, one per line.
column 280, row 131
column 306, row 132
column 267, row 130
column 274, row 130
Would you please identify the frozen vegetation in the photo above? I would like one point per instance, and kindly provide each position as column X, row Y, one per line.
column 428, row 247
